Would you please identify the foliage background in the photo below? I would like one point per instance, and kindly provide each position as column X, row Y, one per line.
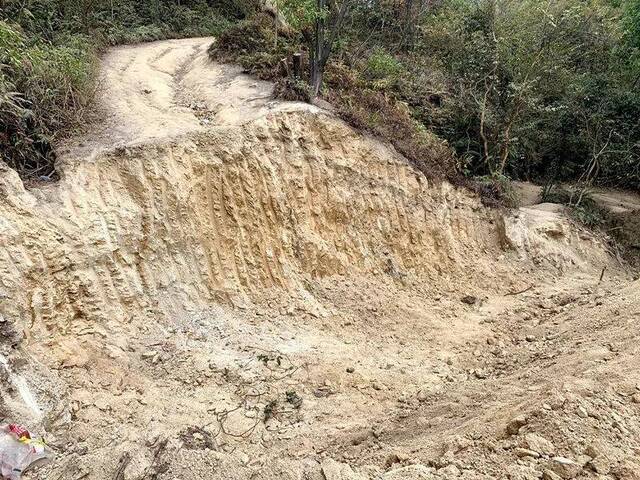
column 540, row 90
column 477, row 91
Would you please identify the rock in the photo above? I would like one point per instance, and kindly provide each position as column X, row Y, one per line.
column 423, row 395
column 148, row 354
column 412, row 472
column 333, row 470
column 244, row 458
column 599, row 463
column 138, row 467
column 396, row 457
column 549, row 475
column 102, row 404
column 460, row 443
column 565, row 467
column 515, row 424
column 350, row 369
column 635, row 398
column 530, row 338
column 520, row 472
column 525, row 452
column 480, row 374
column 450, row 471
column 538, row 444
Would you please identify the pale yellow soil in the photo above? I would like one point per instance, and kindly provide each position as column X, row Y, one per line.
column 270, row 294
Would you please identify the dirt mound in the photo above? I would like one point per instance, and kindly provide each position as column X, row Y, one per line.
column 282, row 297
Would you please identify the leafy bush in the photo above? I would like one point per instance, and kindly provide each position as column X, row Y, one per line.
column 44, row 87
column 382, row 66
column 537, row 89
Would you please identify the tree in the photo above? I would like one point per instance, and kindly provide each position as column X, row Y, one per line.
column 320, row 22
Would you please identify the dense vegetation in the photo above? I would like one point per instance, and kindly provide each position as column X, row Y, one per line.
column 484, row 89
column 531, row 89
column 48, row 52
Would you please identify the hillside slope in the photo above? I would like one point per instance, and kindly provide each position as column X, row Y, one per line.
column 223, row 286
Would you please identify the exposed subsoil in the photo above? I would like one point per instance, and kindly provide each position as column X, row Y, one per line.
column 222, row 286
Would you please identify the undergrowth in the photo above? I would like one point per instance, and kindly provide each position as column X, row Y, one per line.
column 356, row 94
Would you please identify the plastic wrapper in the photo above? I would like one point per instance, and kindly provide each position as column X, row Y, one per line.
column 19, row 451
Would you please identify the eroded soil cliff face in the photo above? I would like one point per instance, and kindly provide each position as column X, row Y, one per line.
column 270, row 294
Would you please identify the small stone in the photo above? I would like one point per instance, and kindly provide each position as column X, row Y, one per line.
column 600, row 464
column 515, row 424
column 538, row 444
column 350, row 369
column 396, row 457
column 583, row 459
column 244, row 458
column 549, row 475
column 565, row 467
column 480, row 374
column 530, row 338
column 148, row 354
column 635, row 398
column 582, row 412
column 450, row 471
column 423, row 395
column 525, row 452
column 102, row 404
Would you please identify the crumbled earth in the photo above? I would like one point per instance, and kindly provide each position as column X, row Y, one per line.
column 270, row 294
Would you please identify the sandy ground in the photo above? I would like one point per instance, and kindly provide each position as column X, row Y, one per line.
column 236, row 288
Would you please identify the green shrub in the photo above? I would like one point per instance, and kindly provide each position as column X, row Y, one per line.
column 382, row 66
column 45, row 87
column 253, row 44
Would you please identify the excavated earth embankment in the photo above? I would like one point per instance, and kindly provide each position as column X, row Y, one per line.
column 263, row 292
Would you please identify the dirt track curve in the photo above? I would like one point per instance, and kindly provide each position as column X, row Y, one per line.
column 223, row 286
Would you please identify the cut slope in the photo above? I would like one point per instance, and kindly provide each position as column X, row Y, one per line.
column 281, row 297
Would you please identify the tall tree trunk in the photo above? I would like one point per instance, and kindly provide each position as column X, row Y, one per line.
column 316, row 60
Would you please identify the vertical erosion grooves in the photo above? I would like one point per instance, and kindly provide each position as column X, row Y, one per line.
column 233, row 212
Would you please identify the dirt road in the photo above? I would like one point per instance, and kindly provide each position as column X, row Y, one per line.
column 163, row 90
column 237, row 288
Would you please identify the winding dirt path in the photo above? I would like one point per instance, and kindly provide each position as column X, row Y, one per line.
column 156, row 91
